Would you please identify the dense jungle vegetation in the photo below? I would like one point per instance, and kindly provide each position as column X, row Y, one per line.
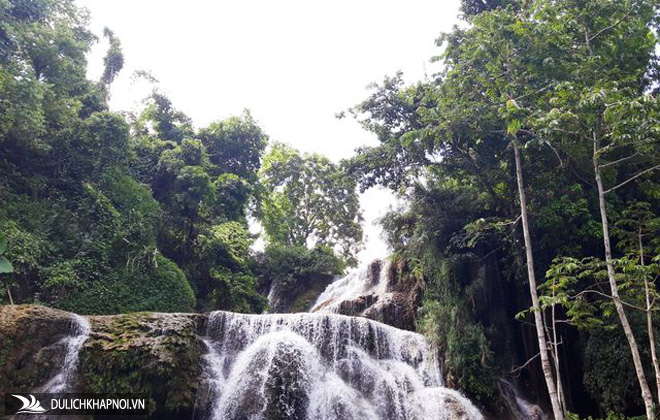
column 529, row 169
column 106, row 212
column 531, row 160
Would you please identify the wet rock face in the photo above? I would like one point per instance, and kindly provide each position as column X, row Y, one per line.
column 382, row 291
column 31, row 345
column 158, row 354
column 273, row 385
column 298, row 294
column 405, row 289
column 234, row 366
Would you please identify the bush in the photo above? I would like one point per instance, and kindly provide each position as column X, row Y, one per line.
column 297, row 274
column 160, row 286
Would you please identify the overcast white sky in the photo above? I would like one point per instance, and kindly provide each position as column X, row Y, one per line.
column 294, row 64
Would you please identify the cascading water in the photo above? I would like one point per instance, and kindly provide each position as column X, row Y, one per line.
column 520, row 408
column 325, row 367
column 79, row 331
column 361, row 282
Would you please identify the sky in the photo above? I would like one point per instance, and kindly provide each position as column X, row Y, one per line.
column 293, row 64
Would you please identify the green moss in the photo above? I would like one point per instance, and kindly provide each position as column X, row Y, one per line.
column 28, row 345
column 158, row 286
column 149, row 353
column 309, row 296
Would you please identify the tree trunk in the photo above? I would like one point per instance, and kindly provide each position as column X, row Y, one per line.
column 649, row 319
column 11, row 301
column 555, row 355
column 538, row 320
column 637, row 360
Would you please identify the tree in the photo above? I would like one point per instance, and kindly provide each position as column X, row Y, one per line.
column 595, row 106
column 512, row 81
column 530, row 63
column 42, row 71
column 113, row 61
column 638, row 230
column 5, row 266
column 160, row 119
column 308, row 200
column 235, row 145
column 475, row 107
column 90, row 202
column 474, row 7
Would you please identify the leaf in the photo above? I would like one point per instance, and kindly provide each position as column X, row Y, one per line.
column 513, row 127
column 3, row 245
column 5, row 266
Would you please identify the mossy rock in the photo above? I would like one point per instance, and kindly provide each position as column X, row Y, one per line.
column 30, row 347
column 300, row 292
column 305, row 299
column 157, row 354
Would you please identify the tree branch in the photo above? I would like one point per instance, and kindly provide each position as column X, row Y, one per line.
column 612, row 26
column 519, row 368
column 632, row 178
column 630, row 305
column 619, row 160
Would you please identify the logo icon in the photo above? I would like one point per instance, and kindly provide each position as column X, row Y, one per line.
column 30, row 406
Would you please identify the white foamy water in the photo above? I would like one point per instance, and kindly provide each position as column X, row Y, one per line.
column 323, row 366
column 79, row 331
column 518, row 405
column 358, row 282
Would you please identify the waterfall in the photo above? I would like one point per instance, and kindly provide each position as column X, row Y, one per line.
column 78, row 333
column 367, row 281
column 323, row 366
column 519, row 406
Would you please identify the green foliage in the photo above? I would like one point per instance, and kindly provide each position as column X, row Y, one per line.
column 295, row 275
column 446, row 320
column 91, row 198
column 232, row 194
column 474, row 7
column 157, row 285
column 235, row 145
column 223, row 255
column 237, row 292
column 550, row 76
column 162, row 120
column 42, row 70
column 609, row 375
column 113, row 60
column 26, row 251
column 285, row 264
column 226, row 244
column 309, row 201
column 204, row 182
column 5, row 265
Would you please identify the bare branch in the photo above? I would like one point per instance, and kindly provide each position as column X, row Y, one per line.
column 519, row 368
column 630, row 305
column 533, row 93
column 612, row 26
column 619, row 160
column 632, row 178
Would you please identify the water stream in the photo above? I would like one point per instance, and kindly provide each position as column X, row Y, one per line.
column 78, row 333
column 308, row 366
column 324, row 366
column 366, row 280
column 520, row 408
